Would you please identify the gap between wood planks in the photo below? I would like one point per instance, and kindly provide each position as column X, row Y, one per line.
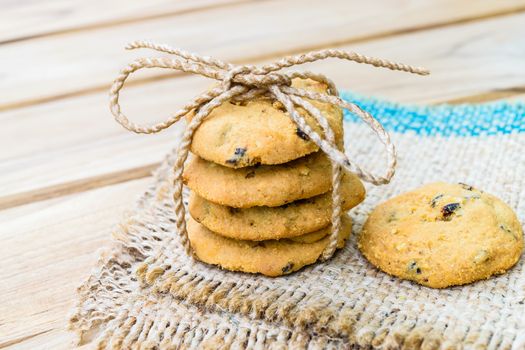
column 123, row 21
column 144, row 171
column 77, row 186
column 255, row 58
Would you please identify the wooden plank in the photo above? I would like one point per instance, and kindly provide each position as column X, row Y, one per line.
column 21, row 20
column 516, row 93
column 76, row 140
column 516, row 98
column 47, row 249
column 82, row 62
column 77, row 186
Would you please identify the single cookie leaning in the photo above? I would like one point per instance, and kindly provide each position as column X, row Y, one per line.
column 259, row 131
column 270, row 258
column 263, row 223
column 442, row 235
column 269, row 185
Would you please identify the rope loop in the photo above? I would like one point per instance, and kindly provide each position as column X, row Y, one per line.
column 245, row 82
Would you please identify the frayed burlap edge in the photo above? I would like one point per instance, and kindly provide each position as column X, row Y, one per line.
column 184, row 308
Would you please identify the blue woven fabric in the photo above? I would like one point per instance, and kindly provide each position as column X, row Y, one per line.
column 447, row 120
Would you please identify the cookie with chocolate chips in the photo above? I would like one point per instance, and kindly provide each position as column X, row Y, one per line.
column 286, row 221
column 442, row 235
column 270, row 258
column 237, row 135
column 268, row 185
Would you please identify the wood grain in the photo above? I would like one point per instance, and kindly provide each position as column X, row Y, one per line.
column 29, row 20
column 79, row 140
column 84, row 62
column 80, row 185
column 47, row 248
column 516, row 93
column 74, row 166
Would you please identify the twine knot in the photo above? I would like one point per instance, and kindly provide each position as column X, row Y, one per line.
column 251, row 77
column 246, row 82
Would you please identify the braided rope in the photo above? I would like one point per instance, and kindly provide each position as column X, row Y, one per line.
column 245, row 82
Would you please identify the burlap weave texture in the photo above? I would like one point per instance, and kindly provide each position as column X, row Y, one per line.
column 339, row 304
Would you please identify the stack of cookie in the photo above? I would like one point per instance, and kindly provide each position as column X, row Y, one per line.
column 261, row 190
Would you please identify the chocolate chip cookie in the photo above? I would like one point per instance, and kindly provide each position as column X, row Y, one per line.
column 270, row 258
column 442, row 235
column 264, row 185
column 260, row 131
column 263, row 223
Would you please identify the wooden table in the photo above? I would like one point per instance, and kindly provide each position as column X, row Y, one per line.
column 68, row 171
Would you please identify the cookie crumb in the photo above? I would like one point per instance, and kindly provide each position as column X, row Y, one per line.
column 278, row 105
column 392, row 217
column 481, row 257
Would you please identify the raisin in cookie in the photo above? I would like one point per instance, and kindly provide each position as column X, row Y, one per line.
column 289, row 220
column 269, row 185
column 442, row 235
column 259, row 131
column 270, row 258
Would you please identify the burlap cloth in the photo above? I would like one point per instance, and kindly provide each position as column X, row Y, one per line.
column 344, row 302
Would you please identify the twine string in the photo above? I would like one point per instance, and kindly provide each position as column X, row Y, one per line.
column 246, row 82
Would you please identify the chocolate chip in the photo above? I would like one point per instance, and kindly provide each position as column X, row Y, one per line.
column 240, row 151
column 237, row 154
column 288, row 267
column 233, row 210
column 302, row 134
column 465, row 186
column 448, row 210
column 504, row 228
column 413, row 268
column 507, row 230
column 434, row 200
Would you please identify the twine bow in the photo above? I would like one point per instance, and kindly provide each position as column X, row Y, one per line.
column 246, row 82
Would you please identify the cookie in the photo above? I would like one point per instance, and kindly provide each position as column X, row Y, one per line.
column 270, row 258
column 310, row 237
column 268, row 185
column 260, row 131
column 442, row 235
column 263, row 223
